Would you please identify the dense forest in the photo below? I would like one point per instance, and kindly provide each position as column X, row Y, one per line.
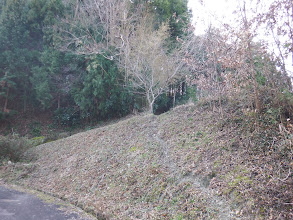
column 71, row 59
column 83, row 61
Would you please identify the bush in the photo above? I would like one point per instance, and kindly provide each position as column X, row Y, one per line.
column 1, row 115
column 67, row 116
column 13, row 147
column 284, row 101
column 4, row 115
column 162, row 104
column 191, row 93
column 101, row 94
column 35, row 129
column 165, row 102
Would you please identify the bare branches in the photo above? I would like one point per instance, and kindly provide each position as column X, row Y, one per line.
column 118, row 30
column 279, row 20
column 96, row 27
column 149, row 66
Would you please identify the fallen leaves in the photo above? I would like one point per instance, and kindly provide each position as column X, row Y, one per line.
column 179, row 164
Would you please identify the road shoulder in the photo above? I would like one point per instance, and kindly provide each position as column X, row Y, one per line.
column 63, row 206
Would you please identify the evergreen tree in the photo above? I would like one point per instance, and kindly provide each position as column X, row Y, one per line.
column 16, row 57
column 176, row 13
column 101, row 94
column 24, row 36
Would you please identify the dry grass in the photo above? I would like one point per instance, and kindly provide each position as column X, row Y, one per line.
column 185, row 164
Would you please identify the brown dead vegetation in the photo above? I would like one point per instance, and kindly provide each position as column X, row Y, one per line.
column 189, row 163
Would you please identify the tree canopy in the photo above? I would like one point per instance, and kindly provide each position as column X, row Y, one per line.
column 105, row 59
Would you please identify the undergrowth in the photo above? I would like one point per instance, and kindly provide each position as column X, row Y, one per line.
column 12, row 148
column 194, row 162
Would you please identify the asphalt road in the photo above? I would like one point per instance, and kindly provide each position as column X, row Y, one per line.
column 16, row 205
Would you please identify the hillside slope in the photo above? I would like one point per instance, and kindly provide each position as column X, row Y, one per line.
column 185, row 164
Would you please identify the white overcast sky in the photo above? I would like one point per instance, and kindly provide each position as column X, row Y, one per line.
column 215, row 12
column 210, row 12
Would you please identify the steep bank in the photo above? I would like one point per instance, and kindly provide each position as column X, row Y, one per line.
column 185, row 164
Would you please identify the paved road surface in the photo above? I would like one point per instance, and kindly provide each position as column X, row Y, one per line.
column 16, row 205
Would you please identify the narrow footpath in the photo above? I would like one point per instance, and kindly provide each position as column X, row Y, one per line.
column 16, row 205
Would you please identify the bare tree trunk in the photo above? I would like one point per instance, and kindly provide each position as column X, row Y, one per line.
column 220, row 99
column 58, row 102
column 25, row 103
column 151, row 108
column 76, row 9
column 250, row 58
column 277, row 42
column 255, row 84
column 150, row 102
column 174, row 98
column 217, row 77
column 6, row 100
column 291, row 31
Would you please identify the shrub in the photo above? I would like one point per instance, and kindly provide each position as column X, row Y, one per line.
column 35, row 129
column 101, row 94
column 67, row 116
column 165, row 102
column 4, row 115
column 13, row 147
column 284, row 100
column 162, row 104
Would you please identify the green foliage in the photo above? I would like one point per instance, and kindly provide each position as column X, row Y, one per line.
column 24, row 33
column 38, row 140
column 37, row 74
column 2, row 115
column 185, row 96
column 50, row 79
column 35, row 129
column 261, row 79
column 8, row 115
column 68, row 116
column 165, row 101
column 40, row 82
column 191, row 93
column 102, row 94
column 176, row 13
column 284, row 101
column 42, row 14
column 15, row 42
column 163, row 104
column 40, row 75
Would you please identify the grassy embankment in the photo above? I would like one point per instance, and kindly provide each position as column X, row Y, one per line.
column 189, row 163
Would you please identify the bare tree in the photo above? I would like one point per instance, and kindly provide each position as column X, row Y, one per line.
column 246, row 39
column 150, row 68
column 232, row 60
column 279, row 20
column 208, row 58
column 95, row 26
column 223, row 59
